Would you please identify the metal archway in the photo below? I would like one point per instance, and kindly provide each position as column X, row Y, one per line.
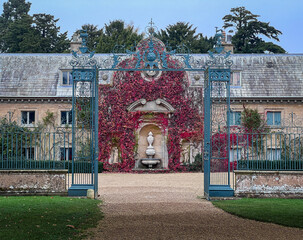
column 151, row 55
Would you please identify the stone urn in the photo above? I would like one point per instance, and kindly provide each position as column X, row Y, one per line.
column 150, row 151
column 150, row 161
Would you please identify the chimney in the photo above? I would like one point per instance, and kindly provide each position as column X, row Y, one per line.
column 75, row 43
column 224, row 37
column 228, row 46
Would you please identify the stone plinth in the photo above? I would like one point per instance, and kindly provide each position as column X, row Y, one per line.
column 269, row 184
column 33, row 182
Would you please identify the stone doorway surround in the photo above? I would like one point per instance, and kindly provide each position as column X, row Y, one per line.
column 147, row 125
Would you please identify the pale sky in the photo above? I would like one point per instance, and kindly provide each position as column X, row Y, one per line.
column 284, row 15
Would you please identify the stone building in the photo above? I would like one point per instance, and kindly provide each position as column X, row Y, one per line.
column 31, row 85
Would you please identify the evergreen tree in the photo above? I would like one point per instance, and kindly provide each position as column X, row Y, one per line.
column 184, row 33
column 93, row 35
column 248, row 30
column 22, row 33
column 117, row 32
column 50, row 38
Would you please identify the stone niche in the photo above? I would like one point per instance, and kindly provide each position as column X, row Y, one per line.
column 159, row 144
column 159, row 134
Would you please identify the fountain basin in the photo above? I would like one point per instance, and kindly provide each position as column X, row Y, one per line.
column 150, row 162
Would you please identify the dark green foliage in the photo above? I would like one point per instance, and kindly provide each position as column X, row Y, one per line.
column 197, row 165
column 11, row 136
column 252, row 121
column 15, row 9
column 47, row 217
column 45, row 164
column 184, row 33
column 50, row 38
column 287, row 212
column 259, row 165
column 249, row 29
column 23, row 33
column 117, row 32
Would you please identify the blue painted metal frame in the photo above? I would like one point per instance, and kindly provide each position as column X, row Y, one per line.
column 85, row 75
column 155, row 58
column 215, row 75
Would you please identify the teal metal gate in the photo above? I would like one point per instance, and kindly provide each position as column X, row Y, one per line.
column 217, row 178
column 217, row 133
column 152, row 57
column 84, row 170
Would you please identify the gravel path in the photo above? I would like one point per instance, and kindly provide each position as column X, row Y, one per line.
column 166, row 206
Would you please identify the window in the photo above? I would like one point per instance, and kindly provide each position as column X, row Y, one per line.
column 28, row 153
column 67, row 78
column 66, row 117
column 235, row 79
column 235, row 154
column 27, row 117
column 273, row 118
column 273, row 154
column 235, row 118
column 66, row 154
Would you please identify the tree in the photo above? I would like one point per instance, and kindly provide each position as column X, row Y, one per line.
column 117, row 32
column 50, row 38
column 184, row 33
column 93, row 35
column 15, row 24
column 248, row 31
column 15, row 9
column 21, row 32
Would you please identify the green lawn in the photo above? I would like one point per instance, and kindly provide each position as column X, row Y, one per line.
column 46, row 217
column 287, row 212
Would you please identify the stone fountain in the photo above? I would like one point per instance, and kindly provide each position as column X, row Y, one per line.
column 150, row 161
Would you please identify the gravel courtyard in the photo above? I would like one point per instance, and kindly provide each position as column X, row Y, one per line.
column 167, row 206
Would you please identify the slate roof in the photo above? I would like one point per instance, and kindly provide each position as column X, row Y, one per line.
column 262, row 75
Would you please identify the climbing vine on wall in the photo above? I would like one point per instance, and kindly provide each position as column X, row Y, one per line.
column 117, row 126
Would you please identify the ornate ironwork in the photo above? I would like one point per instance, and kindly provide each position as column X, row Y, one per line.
column 151, row 54
column 219, row 58
column 83, row 59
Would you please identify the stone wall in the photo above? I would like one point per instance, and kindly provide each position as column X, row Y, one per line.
column 33, row 182
column 269, row 184
column 14, row 110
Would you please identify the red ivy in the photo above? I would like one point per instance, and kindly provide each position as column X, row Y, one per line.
column 117, row 126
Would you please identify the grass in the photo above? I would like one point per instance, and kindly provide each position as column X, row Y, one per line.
column 287, row 212
column 46, row 217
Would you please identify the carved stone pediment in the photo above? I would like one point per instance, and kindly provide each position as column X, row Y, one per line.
column 158, row 105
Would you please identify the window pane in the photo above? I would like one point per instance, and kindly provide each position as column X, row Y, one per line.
column 70, row 153
column 235, row 79
column 63, row 117
column 24, row 117
column 277, row 118
column 231, row 118
column 270, row 118
column 31, row 117
column 237, row 118
column 70, row 78
column 64, row 78
column 62, row 154
column 66, row 154
column 70, row 117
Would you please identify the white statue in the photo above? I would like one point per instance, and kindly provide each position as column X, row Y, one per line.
column 114, row 156
column 185, row 154
column 150, row 151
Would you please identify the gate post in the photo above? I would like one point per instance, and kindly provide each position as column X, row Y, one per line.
column 207, row 149
column 84, row 165
column 216, row 123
